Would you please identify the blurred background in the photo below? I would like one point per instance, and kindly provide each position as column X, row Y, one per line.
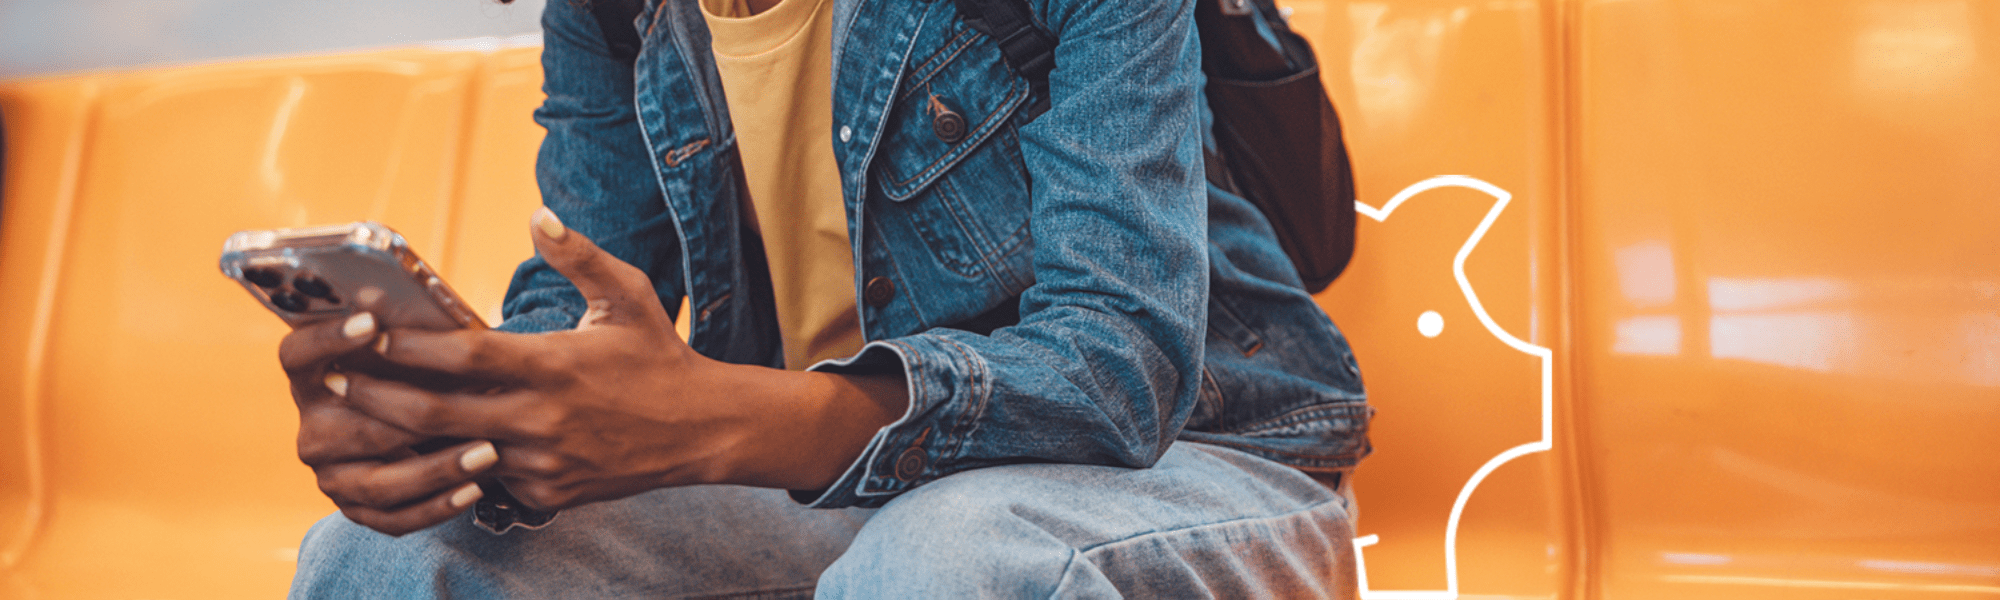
column 40, row 37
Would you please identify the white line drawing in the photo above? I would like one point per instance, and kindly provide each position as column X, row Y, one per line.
column 1501, row 199
column 1430, row 324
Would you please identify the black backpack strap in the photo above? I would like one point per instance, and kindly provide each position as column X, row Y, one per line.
column 1029, row 49
column 614, row 18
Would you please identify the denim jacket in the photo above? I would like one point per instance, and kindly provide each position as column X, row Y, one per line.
column 1061, row 287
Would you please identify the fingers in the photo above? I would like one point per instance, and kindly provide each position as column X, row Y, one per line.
column 436, row 414
column 416, row 517
column 617, row 292
column 481, row 354
column 332, row 432
column 306, row 350
column 393, row 484
column 411, row 494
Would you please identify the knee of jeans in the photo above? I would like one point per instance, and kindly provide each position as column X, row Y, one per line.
column 336, row 543
column 980, row 502
column 327, row 555
column 955, row 537
column 334, row 539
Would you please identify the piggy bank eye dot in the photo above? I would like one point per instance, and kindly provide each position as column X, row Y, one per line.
column 1430, row 324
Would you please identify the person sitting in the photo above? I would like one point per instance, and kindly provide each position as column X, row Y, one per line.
column 951, row 336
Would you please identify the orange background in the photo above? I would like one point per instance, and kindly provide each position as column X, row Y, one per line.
column 1753, row 244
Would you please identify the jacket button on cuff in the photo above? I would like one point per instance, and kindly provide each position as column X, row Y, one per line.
column 846, row 133
column 879, row 292
column 949, row 126
column 910, row 465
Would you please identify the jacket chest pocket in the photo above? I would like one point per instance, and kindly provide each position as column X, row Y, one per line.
column 950, row 166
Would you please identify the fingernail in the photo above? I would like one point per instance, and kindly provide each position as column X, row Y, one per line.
column 546, row 221
column 465, row 496
column 478, row 458
column 338, row 383
column 382, row 344
column 359, row 326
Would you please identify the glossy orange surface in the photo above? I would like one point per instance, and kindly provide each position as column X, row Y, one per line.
column 1758, row 241
column 1788, row 274
column 1454, row 300
column 1657, row 299
column 154, row 434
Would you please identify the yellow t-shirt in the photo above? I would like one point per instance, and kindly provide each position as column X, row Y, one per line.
column 776, row 69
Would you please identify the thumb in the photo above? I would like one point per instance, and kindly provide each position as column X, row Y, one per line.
column 617, row 292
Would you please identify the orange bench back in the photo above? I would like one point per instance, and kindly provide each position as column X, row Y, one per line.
column 154, row 433
column 1717, row 295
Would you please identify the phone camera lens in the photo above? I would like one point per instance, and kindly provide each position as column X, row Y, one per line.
column 289, row 302
column 264, row 278
column 315, row 287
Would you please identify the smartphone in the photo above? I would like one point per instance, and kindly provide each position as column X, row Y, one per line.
column 311, row 274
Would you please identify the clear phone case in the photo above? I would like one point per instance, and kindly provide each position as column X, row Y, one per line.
column 311, row 274
column 315, row 273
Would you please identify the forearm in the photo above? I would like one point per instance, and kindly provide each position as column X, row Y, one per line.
column 801, row 430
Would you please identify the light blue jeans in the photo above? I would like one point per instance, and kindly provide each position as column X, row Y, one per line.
column 1205, row 522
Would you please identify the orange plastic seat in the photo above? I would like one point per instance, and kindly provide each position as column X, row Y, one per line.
column 1673, row 298
column 152, row 453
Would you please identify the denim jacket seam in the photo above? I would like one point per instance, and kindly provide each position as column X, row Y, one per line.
column 993, row 254
column 951, row 417
column 1305, row 415
column 1295, row 459
column 1010, row 144
column 908, row 188
column 1221, row 400
column 862, row 480
column 639, row 109
column 946, row 192
column 895, row 266
column 712, row 115
column 1248, row 331
column 859, row 187
column 937, row 61
column 977, row 394
column 923, row 407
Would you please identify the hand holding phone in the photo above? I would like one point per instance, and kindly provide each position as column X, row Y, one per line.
column 616, row 406
column 319, row 277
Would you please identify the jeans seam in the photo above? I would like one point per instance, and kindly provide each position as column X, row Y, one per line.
column 1069, row 570
column 753, row 593
column 1335, row 500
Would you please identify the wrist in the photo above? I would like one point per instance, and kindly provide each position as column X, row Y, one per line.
column 803, row 429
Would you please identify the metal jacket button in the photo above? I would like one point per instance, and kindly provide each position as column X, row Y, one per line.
column 910, row 465
column 946, row 123
column 950, row 127
column 879, row 292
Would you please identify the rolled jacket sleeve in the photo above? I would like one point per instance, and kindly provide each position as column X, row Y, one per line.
column 1104, row 365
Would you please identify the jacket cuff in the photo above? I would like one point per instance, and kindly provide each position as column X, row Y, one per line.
column 947, row 381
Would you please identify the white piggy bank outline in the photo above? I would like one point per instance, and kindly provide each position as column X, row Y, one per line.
column 1501, row 199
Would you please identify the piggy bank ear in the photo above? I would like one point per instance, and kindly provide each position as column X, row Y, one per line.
column 1462, row 397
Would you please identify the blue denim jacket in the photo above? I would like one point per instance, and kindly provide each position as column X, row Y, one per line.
column 1065, row 287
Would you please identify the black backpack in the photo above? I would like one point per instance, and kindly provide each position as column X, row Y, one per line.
column 1278, row 138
